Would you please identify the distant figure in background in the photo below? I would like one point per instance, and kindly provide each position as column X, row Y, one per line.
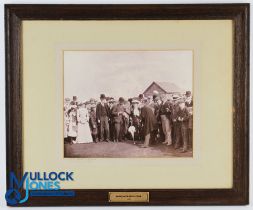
column 141, row 97
column 103, row 113
column 74, row 101
column 188, row 99
column 155, row 94
column 149, row 122
column 83, row 134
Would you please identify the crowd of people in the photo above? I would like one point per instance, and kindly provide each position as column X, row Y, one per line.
column 158, row 119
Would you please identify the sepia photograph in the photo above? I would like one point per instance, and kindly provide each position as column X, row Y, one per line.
column 128, row 104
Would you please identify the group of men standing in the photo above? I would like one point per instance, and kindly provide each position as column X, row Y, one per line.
column 175, row 120
column 147, row 120
column 112, row 118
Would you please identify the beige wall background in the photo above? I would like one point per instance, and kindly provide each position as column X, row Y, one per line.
column 211, row 42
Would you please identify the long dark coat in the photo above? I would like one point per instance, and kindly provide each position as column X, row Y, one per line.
column 116, row 109
column 149, row 120
column 99, row 110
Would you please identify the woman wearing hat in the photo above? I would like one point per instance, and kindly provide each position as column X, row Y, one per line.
column 83, row 134
column 72, row 129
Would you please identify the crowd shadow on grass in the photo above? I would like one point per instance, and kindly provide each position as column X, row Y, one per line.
column 125, row 149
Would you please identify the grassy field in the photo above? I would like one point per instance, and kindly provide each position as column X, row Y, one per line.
column 124, row 149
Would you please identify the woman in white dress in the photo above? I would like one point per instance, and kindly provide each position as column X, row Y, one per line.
column 84, row 133
column 72, row 129
column 66, row 118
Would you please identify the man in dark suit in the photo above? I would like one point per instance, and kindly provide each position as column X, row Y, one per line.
column 102, row 113
column 149, row 122
column 111, row 122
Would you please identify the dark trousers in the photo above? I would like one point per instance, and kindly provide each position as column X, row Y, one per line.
column 136, row 123
column 71, row 139
column 111, row 128
column 190, row 137
column 181, row 137
column 125, row 127
column 160, row 133
column 149, row 138
column 118, row 128
column 104, row 128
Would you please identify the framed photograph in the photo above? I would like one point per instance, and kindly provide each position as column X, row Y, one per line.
column 127, row 104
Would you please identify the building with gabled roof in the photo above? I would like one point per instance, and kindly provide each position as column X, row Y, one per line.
column 163, row 88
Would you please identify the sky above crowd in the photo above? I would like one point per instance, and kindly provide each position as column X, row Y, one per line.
column 87, row 74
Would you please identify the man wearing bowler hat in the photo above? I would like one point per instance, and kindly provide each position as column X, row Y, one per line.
column 102, row 113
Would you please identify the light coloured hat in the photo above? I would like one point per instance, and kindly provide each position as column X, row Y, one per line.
column 80, row 103
column 112, row 100
column 73, row 106
column 92, row 105
column 169, row 97
column 155, row 92
column 144, row 100
column 180, row 101
column 135, row 101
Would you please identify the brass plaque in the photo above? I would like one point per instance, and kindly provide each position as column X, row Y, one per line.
column 128, row 196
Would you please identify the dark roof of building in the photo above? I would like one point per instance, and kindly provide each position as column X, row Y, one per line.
column 167, row 87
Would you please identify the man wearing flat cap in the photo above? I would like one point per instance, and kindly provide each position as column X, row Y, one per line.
column 181, row 118
column 103, row 113
column 117, row 113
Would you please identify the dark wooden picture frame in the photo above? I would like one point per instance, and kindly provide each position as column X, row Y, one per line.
column 238, row 13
